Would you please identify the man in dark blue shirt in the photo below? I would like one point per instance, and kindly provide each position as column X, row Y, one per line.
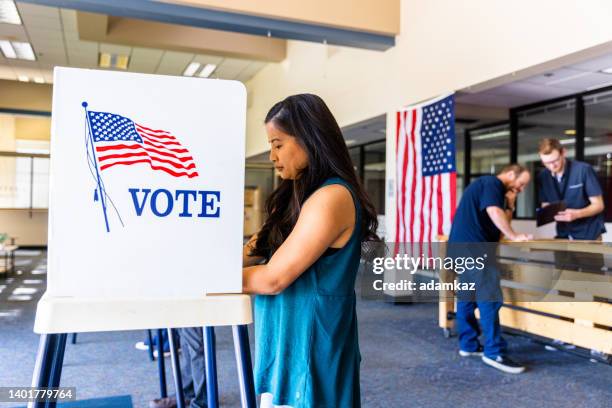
column 482, row 216
column 575, row 183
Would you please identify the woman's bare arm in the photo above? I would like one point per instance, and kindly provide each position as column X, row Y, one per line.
column 329, row 214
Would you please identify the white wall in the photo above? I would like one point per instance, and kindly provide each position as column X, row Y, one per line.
column 25, row 230
column 444, row 45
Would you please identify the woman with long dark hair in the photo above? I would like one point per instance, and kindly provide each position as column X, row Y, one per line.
column 303, row 262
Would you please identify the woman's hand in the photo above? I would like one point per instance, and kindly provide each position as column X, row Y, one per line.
column 327, row 219
column 248, row 260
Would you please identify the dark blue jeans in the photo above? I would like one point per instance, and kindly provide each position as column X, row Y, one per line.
column 468, row 330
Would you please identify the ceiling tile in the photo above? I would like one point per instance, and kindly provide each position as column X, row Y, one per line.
column 147, row 53
column 557, row 75
column 33, row 10
column 43, row 23
column 13, row 32
column 69, row 20
column 208, row 59
column 174, row 63
column 248, row 73
column 115, row 49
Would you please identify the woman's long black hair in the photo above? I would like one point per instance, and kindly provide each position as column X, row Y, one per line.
column 307, row 118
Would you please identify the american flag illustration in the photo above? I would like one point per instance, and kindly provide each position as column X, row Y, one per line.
column 120, row 141
column 426, row 171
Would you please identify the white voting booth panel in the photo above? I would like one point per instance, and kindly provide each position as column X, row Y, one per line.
column 146, row 190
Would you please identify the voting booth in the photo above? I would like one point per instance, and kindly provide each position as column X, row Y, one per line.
column 145, row 212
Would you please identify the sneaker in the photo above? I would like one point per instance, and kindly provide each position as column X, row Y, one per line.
column 478, row 352
column 141, row 345
column 504, row 364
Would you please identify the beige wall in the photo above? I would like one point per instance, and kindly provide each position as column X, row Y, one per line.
column 444, row 45
column 32, row 128
column 378, row 16
column 25, row 95
column 25, row 229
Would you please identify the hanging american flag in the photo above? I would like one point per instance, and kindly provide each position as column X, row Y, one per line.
column 426, row 171
column 120, row 141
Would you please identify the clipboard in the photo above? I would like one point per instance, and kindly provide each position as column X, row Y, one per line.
column 547, row 214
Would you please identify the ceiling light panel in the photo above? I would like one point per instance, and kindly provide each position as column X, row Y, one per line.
column 7, row 49
column 191, row 69
column 9, row 13
column 24, row 50
column 207, row 70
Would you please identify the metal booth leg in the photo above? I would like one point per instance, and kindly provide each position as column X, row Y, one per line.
column 211, row 367
column 176, row 369
column 47, row 348
column 150, row 336
column 57, row 364
column 161, row 366
column 245, row 367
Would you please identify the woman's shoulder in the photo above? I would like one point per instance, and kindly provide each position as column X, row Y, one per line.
column 334, row 194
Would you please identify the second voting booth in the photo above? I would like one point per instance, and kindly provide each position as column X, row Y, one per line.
column 145, row 213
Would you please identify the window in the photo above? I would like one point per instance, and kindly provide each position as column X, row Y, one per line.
column 490, row 149
column 374, row 174
column 557, row 121
column 24, row 161
column 598, row 142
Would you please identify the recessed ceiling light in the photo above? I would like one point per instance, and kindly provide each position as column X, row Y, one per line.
column 207, row 70
column 108, row 60
column 23, row 78
column 191, row 69
column 9, row 13
column 17, row 50
column 570, row 132
column 7, row 49
column 39, row 80
column 607, row 70
column 24, row 50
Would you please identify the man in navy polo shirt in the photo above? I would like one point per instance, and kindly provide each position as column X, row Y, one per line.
column 576, row 183
column 483, row 215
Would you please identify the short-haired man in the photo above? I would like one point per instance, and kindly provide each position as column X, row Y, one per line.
column 482, row 216
column 575, row 183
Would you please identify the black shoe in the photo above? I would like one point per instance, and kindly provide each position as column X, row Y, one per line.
column 478, row 352
column 504, row 364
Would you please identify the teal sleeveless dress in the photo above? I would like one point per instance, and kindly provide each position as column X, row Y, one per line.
column 306, row 345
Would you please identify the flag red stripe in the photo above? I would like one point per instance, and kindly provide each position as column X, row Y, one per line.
column 397, row 209
column 430, row 200
column 440, row 212
column 150, row 130
column 117, row 147
column 404, row 169
column 422, row 224
column 147, row 142
column 174, row 156
column 157, row 159
column 164, row 141
column 453, row 193
column 414, row 173
column 167, row 170
column 145, row 148
column 157, row 138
